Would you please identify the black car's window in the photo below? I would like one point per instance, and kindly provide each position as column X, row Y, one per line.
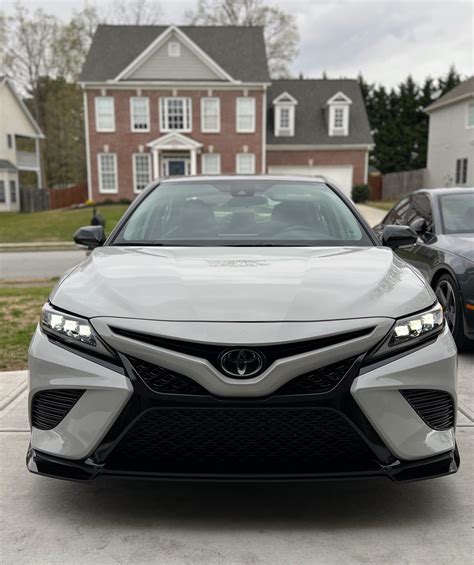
column 242, row 212
column 421, row 208
column 457, row 212
column 398, row 214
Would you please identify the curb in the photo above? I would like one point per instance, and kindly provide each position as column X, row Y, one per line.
column 40, row 246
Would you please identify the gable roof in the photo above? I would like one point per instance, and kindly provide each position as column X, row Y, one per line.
column 311, row 127
column 239, row 50
column 460, row 92
column 5, row 81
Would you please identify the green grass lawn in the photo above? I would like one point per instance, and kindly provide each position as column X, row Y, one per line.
column 19, row 313
column 53, row 225
column 381, row 204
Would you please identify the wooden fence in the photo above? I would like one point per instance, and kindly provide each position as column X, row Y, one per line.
column 396, row 185
column 64, row 197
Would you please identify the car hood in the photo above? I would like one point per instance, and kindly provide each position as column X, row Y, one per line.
column 461, row 244
column 242, row 284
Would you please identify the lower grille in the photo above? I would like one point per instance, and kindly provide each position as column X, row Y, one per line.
column 164, row 381
column 242, row 441
column 435, row 407
column 50, row 407
column 320, row 381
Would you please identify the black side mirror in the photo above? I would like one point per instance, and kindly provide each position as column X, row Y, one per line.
column 419, row 226
column 397, row 236
column 90, row 236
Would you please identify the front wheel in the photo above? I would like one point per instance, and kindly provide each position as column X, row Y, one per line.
column 449, row 297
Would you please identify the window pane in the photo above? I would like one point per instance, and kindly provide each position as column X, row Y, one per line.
column 470, row 115
column 140, row 119
column 142, row 170
column 246, row 163
column 2, row 191
column 105, row 118
column 210, row 114
column 284, row 118
column 108, row 180
column 458, row 171
column 211, row 164
column 12, row 191
column 246, row 114
column 338, row 118
column 464, row 171
column 176, row 113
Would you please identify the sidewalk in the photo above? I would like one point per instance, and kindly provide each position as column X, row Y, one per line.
column 39, row 246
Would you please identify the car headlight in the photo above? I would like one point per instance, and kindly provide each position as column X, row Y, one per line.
column 412, row 330
column 72, row 329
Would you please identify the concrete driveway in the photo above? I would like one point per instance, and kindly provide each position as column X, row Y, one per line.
column 115, row 521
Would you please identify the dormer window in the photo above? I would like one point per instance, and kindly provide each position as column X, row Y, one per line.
column 284, row 115
column 338, row 114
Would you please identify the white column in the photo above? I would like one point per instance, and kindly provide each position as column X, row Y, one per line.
column 156, row 164
column 38, row 162
column 193, row 161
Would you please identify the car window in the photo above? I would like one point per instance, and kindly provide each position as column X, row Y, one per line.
column 457, row 212
column 422, row 209
column 242, row 212
column 398, row 214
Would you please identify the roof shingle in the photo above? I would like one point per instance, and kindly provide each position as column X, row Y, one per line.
column 239, row 50
column 463, row 90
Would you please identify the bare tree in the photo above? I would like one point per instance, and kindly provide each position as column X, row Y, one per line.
column 135, row 12
column 281, row 32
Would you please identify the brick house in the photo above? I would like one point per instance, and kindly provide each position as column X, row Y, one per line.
column 164, row 101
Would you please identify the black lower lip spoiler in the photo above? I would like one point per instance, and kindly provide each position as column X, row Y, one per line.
column 400, row 471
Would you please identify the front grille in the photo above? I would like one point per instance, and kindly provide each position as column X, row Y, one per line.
column 213, row 352
column 164, row 381
column 435, row 407
column 237, row 440
column 320, row 381
column 50, row 407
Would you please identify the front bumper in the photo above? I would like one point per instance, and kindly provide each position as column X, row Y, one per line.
column 96, row 436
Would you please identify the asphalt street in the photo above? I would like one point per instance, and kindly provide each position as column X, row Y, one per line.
column 116, row 521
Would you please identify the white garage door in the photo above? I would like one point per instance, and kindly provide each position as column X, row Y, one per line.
column 341, row 175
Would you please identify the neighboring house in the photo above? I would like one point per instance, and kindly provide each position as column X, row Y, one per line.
column 19, row 145
column 164, row 101
column 450, row 159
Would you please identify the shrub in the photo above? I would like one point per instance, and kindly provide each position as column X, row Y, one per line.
column 360, row 192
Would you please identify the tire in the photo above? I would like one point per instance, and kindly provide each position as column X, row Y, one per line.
column 449, row 297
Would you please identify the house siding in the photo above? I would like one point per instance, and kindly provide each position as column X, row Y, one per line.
column 124, row 142
column 354, row 158
column 449, row 139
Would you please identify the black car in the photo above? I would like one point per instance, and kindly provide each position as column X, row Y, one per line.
column 443, row 218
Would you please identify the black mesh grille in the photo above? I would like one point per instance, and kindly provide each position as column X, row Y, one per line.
column 241, row 440
column 435, row 407
column 49, row 407
column 165, row 381
column 320, row 381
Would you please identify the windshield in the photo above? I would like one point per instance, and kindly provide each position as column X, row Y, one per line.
column 242, row 212
column 457, row 212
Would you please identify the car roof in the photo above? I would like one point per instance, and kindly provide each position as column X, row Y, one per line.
column 189, row 178
column 454, row 189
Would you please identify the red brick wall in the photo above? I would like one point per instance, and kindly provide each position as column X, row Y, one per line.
column 124, row 142
column 356, row 158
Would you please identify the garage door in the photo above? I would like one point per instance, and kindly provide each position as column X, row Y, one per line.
column 342, row 175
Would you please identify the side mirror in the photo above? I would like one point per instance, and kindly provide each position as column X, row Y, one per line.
column 397, row 236
column 419, row 226
column 90, row 236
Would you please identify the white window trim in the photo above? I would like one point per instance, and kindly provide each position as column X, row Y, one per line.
column 278, row 130
column 339, row 132
column 96, row 103
column 237, row 163
column 237, row 127
column 211, row 130
column 132, row 128
column 134, row 167
column 172, row 45
column 203, row 160
column 469, row 126
column 99, row 172
column 163, row 104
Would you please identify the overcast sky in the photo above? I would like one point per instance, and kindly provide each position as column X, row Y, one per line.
column 384, row 39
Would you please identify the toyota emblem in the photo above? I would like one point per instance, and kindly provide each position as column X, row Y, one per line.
column 241, row 363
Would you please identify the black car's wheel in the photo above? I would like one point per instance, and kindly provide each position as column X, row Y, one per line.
column 448, row 295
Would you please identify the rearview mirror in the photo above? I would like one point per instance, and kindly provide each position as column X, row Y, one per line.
column 397, row 236
column 90, row 236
